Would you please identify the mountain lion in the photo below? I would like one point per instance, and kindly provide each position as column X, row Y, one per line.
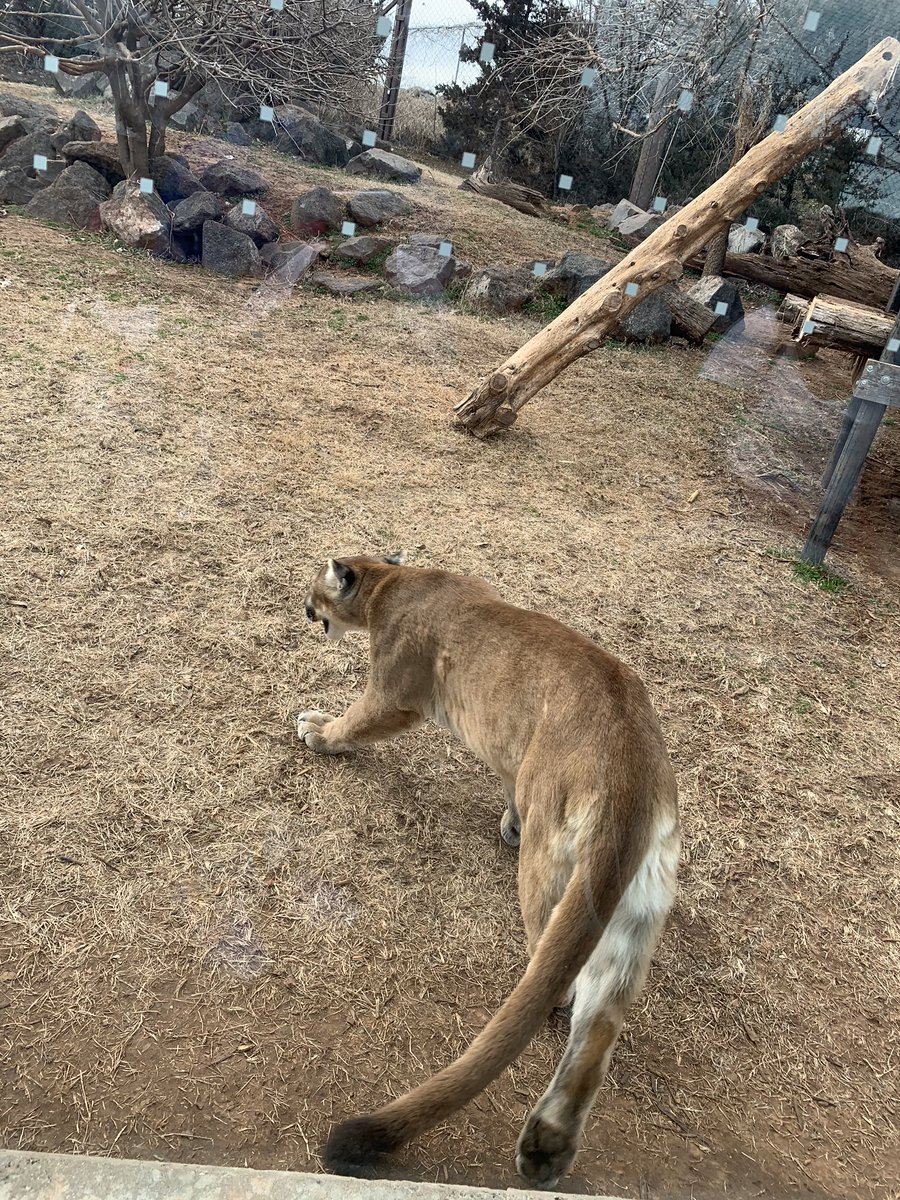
column 590, row 801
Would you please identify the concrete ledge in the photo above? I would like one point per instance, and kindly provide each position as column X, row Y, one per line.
column 25, row 1176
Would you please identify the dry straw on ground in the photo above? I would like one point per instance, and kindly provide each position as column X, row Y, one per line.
column 212, row 943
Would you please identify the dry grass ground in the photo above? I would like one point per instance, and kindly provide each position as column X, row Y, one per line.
column 213, row 943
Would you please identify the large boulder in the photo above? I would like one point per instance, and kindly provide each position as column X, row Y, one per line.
column 11, row 128
column 362, row 250
column 138, row 219
column 43, row 115
column 17, row 186
column 229, row 252
column 78, row 87
column 640, row 225
column 276, row 254
column 81, row 175
column 102, row 156
column 80, row 128
column 623, row 211
column 713, row 292
column 649, row 323
column 786, row 241
column 574, row 274
column 190, row 214
column 380, row 164
column 742, row 240
column 236, row 135
column 229, row 179
column 316, row 211
column 22, row 151
column 300, row 132
column 500, row 289
column 173, row 179
column 289, row 269
column 258, row 226
column 419, row 270
column 374, row 206
column 65, row 205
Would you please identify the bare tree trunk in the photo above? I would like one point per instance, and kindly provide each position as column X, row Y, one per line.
column 495, row 402
column 649, row 163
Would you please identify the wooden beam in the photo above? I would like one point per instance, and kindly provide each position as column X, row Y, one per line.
column 495, row 403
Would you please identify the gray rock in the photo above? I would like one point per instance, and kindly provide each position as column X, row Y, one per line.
column 138, row 219
column 294, row 266
column 713, row 291
column 786, row 241
column 622, row 212
column 419, row 270
column 229, row 252
column 316, row 211
column 361, row 250
column 189, row 117
column 102, row 156
column 742, row 240
column 190, row 214
column 228, row 179
column 276, row 254
column 380, row 164
column 80, row 175
column 12, row 105
column 301, row 133
column 500, row 289
column 11, row 128
column 18, row 187
column 344, row 285
column 374, row 206
column 574, row 274
column 21, row 152
column 78, row 87
column 81, row 128
column 640, row 225
column 260, row 226
column 65, row 205
column 427, row 239
column 649, row 323
column 236, row 135
column 173, row 179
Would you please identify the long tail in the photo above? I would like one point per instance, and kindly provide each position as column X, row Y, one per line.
column 577, row 923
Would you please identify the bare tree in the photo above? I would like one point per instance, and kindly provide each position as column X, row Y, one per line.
column 157, row 54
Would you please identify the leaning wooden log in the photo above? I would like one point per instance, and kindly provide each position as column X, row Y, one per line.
column 792, row 308
column 495, row 402
column 516, row 195
column 844, row 325
column 857, row 275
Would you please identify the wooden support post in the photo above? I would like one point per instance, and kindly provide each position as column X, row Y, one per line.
column 660, row 259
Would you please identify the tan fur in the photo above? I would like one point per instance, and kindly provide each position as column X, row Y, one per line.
column 591, row 800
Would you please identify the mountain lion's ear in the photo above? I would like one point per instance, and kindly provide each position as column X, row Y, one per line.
column 339, row 576
column 396, row 560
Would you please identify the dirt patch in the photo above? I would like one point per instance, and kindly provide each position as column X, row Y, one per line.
column 213, row 944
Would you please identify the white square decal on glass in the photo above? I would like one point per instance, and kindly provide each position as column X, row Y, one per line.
column 751, row 225
column 146, row 185
column 369, row 137
column 383, row 27
column 276, row 5
column 160, row 88
column 266, row 112
column 874, row 146
column 445, row 249
column 780, row 123
column 468, row 160
column 588, row 77
column 487, row 52
column 248, row 208
column 539, row 269
column 51, row 63
column 721, row 309
column 711, row 3
column 659, row 204
column 808, row 328
column 685, row 100
column 565, row 183
column 348, row 229
column 893, row 346
column 811, row 24
column 39, row 162
column 841, row 245
column 631, row 289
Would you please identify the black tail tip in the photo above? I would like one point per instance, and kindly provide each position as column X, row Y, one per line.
column 357, row 1146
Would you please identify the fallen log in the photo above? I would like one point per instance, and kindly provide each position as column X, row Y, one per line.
column 690, row 319
column 495, row 403
column 792, row 308
column 857, row 275
column 844, row 325
column 516, row 195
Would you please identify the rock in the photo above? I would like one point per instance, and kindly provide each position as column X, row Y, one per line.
column 603, row 213
column 81, row 128
column 377, row 205
column 622, row 211
column 380, row 164
column 52, row 171
column 228, row 179
column 420, row 270
column 80, row 175
column 786, row 241
column 260, row 226
column 361, row 250
column 77, row 87
column 173, row 179
column 427, row 239
column 21, row 152
column 229, row 252
column 742, row 240
column 574, row 274
column 295, row 265
column 649, row 323
column 190, row 214
column 102, row 156
column 11, row 128
column 65, row 205
column 41, row 114
column 640, row 225
column 138, row 219
column 714, row 290
column 18, row 187
column 276, row 254
column 316, row 211
column 300, row 132
column 344, row 285
column 189, row 117
column 500, row 289
column 236, row 135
